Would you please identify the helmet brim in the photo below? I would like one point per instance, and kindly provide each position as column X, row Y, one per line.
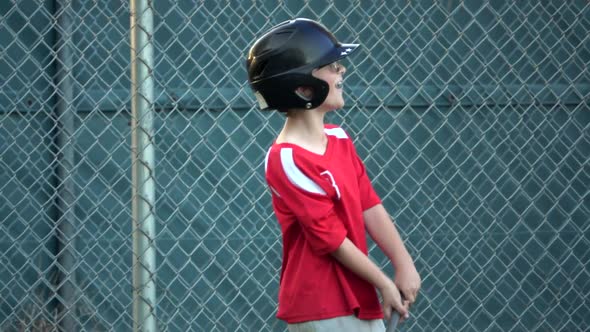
column 347, row 49
column 338, row 53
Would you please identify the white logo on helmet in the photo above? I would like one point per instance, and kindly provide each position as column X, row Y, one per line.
column 346, row 51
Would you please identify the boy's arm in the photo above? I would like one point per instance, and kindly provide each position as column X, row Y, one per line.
column 382, row 230
column 356, row 261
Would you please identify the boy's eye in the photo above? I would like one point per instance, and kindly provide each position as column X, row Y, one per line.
column 335, row 67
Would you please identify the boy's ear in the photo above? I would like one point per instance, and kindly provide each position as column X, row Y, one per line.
column 306, row 93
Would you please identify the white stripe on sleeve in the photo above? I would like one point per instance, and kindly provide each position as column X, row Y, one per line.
column 295, row 176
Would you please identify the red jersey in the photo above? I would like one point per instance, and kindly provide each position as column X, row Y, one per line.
column 319, row 201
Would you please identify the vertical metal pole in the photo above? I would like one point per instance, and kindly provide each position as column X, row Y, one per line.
column 65, row 218
column 142, row 160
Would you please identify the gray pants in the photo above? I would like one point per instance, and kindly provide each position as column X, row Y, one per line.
column 339, row 324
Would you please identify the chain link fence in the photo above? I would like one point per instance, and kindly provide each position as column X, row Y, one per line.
column 473, row 119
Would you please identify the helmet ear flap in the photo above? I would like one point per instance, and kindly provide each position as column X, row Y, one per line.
column 282, row 90
column 305, row 93
column 319, row 91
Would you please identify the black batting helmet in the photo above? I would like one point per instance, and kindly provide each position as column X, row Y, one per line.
column 283, row 59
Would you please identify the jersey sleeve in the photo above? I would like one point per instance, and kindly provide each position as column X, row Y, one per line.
column 307, row 196
column 369, row 197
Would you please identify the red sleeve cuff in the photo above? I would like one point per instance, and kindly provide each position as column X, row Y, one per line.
column 370, row 201
column 332, row 245
column 324, row 236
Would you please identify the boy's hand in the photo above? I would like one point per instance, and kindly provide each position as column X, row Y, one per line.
column 392, row 300
column 408, row 282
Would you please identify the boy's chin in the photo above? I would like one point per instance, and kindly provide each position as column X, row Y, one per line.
column 337, row 105
column 333, row 105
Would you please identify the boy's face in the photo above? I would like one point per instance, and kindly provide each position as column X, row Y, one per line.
column 333, row 74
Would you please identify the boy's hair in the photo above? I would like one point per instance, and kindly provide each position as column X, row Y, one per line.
column 283, row 59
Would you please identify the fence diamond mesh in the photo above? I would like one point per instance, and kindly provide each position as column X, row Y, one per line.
column 472, row 117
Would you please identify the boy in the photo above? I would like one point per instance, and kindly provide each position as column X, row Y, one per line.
column 321, row 194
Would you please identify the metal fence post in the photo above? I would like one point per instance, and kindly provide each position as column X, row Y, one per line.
column 142, row 160
column 66, row 197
